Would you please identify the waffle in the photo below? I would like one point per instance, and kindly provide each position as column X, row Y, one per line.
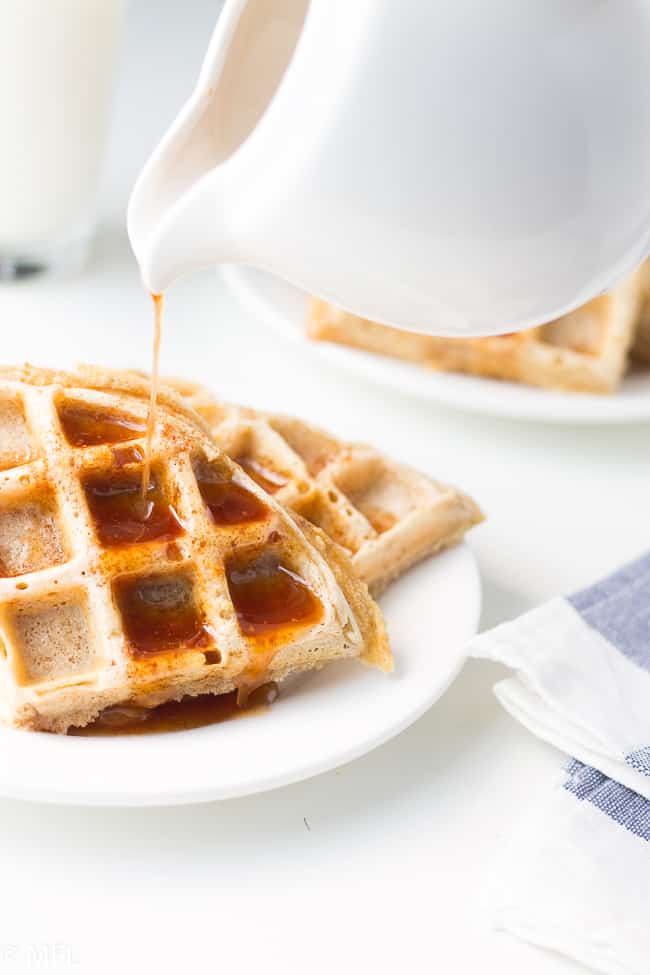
column 641, row 347
column 387, row 516
column 218, row 589
column 584, row 351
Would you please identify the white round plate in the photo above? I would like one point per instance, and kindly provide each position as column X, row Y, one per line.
column 283, row 307
column 320, row 721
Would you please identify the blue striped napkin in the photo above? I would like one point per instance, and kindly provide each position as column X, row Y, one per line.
column 579, row 880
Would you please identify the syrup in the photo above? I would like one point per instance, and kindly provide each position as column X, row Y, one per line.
column 269, row 597
column 123, row 456
column 228, row 503
column 153, row 398
column 183, row 715
column 269, row 480
column 122, row 516
column 159, row 613
column 86, row 426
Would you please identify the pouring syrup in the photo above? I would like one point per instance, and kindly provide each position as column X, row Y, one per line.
column 158, row 300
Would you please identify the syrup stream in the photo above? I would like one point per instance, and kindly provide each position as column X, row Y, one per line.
column 151, row 418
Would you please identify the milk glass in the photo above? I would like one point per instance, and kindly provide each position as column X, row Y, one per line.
column 57, row 60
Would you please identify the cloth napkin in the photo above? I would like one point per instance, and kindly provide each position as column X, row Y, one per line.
column 577, row 877
column 582, row 673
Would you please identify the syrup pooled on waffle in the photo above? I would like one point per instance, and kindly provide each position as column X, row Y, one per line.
column 387, row 516
column 110, row 598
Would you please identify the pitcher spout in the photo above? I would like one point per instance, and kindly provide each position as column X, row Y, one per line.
column 176, row 213
column 186, row 235
column 181, row 212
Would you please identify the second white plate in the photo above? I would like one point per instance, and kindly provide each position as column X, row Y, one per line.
column 283, row 308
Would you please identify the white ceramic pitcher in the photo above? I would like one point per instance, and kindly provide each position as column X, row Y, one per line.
column 451, row 166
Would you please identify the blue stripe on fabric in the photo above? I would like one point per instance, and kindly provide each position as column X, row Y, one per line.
column 617, row 801
column 619, row 609
column 640, row 760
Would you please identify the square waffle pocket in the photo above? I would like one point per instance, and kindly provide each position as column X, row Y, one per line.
column 584, row 351
column 204, row 586
column 385, row 515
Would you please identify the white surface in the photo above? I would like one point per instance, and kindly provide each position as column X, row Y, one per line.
column 321, row 720
column 388, row 871
column 282, row 307
column 57, row 72
column 418, row 165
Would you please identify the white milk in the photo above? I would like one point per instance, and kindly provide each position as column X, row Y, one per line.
column 56, row 72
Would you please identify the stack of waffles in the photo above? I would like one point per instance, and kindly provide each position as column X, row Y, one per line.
column 587, row 350
column 205, row 584
column 385, row 515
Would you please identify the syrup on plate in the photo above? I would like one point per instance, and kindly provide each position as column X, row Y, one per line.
column 183, row 715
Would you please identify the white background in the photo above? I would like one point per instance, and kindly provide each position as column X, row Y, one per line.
column 383, row 864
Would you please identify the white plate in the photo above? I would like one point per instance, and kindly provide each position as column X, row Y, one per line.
column 283, row 308
column 321, row 721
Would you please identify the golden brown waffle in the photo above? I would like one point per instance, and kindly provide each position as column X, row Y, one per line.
column 387, row 516
column 216, row 589
column 641, row 348
column 584, row 351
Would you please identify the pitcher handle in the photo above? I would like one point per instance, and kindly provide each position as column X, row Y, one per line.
column 179, row 213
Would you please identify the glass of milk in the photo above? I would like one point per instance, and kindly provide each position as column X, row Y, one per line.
column 57, row 60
